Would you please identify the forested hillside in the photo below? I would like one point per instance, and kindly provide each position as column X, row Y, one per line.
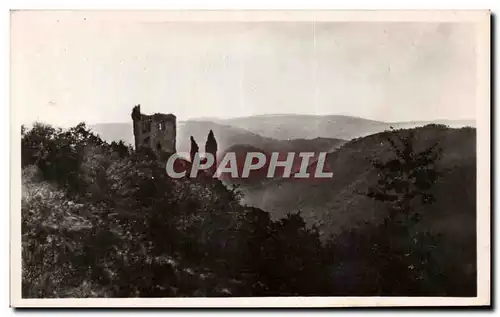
column 99, row 220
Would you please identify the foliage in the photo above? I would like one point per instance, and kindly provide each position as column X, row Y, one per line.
column 100, row 220
column 409, row 175
column 60, row 154
column 402, row 259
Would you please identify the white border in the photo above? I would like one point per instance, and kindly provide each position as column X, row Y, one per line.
column 482, row 21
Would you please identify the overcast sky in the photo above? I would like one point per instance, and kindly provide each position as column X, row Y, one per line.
column 75, row 68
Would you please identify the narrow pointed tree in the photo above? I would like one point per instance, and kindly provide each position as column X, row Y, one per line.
column 211, row 147
column 194, row 149
column 211, row 144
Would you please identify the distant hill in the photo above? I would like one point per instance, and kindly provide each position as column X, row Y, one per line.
column 263, row 130
column 335, row 203
column 226, row 136
column 286, row 126
column 315, row 146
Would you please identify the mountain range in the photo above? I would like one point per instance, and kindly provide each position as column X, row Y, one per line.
column 339, row 203
column 267, row 132
column 349, row 141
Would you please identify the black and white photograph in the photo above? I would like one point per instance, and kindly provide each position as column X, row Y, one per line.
column 238, row 158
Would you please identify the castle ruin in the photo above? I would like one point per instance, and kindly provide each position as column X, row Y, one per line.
column 156, row 132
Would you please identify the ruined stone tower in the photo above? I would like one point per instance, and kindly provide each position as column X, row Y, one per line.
column 156, row 132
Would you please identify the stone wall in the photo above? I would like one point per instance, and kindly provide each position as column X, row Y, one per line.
column 157, row 131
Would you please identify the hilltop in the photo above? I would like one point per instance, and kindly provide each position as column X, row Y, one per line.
column 292, row 126
column 226, row 135
column 265, row 131
column 336, row 203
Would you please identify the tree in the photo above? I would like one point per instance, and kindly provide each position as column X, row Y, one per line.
column 194, row 149
column 59, row 153
column 101, row 220
column 405, row 178
column 401, row 254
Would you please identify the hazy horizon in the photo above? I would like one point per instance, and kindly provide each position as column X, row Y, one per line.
column 201, row 119
column 69, row 67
